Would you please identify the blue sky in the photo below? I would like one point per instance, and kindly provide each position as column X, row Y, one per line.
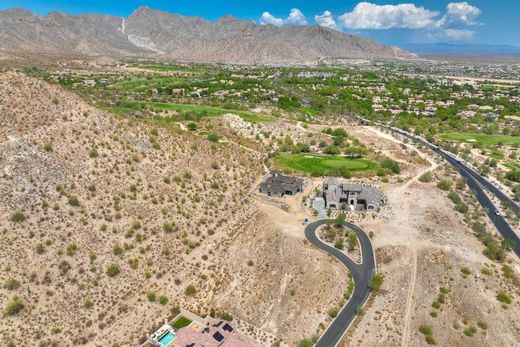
column 390, row 22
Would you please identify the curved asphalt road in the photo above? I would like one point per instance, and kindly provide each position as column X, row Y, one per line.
column 362, row 275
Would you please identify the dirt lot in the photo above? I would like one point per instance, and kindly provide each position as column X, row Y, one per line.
column 421, row 246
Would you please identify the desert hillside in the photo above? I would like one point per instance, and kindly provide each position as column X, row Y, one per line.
column 97, row 212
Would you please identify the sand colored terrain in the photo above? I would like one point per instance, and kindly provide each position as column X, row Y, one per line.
column 421, row 245
column 169, row 208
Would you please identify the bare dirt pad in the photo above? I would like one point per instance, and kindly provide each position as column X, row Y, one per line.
column 381, row 324
column 422, row 243
column 284, row 284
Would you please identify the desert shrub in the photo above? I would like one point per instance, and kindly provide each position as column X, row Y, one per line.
column 40, row 248
column 507, row 271
column 430, row 340
column 226, row 316
column 377, row 282
column 333, row 312
column 504, row 297
column 352, row 241
column 513, row 175
column 470, row 331
column 11, row 284
column 113, row 270
column 391, row 165
column 444, row 185
column 305, row 343
column 464, row 270
column 461, row 207
column 190, row 290
column 493, row 251
column 167, row 227
column 454, row 197
column 426, row 329
column 482, row 325
column 426, row 177
column 339, row 244
column 152, row 296
column 93, row 153
column 17, row 217
column 63, row 267
column 486, row 271
column 13, row 307
column 117, row 250
column 47, row 147
column 163, row 300
column 73, row 201
column 71, row 249
column 213, row 137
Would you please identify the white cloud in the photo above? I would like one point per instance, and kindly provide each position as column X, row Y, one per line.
column 459, row 34
column 325, row 20
column 371, row 16
column 268, row 18
column 459, row 13
column 295, row 18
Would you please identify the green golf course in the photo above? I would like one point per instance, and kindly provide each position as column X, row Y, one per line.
column 323, row 165
column 484, row 139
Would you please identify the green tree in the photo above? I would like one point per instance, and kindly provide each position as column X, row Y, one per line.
column 340, row 220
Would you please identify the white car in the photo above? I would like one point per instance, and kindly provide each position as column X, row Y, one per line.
column 497, row 212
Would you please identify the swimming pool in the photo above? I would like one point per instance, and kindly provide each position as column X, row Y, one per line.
column 167, row 338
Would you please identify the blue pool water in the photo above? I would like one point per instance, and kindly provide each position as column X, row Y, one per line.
column 167, row 338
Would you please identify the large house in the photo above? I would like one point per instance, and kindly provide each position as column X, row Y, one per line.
column 278, row 184
column 221, row 334
column 344, row 195
column 199, row 332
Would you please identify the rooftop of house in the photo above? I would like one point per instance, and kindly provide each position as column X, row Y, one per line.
column 334, row 190
column 221, row 334
column 277, row 183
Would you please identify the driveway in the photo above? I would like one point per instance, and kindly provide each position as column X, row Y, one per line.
column 362, row 274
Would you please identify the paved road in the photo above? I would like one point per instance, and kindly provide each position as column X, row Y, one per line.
column 476, row 183
column 362, row 274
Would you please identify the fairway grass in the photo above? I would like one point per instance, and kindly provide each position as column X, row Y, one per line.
column 484, row 139
column 323, row 165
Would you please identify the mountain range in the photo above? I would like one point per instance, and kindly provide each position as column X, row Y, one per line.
column 152, row 33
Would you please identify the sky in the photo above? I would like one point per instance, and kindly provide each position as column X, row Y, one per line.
column 389, row 22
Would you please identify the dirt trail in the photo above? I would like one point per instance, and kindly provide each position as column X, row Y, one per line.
column 407, row 315
column 399, row 194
